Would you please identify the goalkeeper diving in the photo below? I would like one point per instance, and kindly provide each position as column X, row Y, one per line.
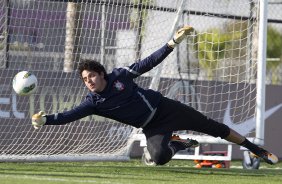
column 115, row 95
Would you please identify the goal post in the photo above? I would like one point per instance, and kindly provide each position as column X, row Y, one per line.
column 218, row 70
column 260, row 99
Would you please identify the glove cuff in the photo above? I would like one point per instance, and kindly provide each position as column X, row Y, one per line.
column 174, row 41
column 171, row 43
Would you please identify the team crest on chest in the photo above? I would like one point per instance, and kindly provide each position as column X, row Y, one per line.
column 118, row 85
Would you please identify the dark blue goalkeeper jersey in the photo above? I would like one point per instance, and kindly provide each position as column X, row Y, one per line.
column 122, row 99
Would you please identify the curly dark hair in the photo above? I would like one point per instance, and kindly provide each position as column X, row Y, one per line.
column 91, row 65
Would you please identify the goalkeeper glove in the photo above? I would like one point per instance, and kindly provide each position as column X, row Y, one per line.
column 180, row 35
column 38, row 120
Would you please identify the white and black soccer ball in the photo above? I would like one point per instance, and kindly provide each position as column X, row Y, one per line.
column 24, row 83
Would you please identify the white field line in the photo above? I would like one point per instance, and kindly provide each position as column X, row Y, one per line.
column 40, row 178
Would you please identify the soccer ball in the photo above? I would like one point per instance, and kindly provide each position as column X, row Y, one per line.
column 24, row 83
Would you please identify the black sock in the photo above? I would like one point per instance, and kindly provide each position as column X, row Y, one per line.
column 252, row 147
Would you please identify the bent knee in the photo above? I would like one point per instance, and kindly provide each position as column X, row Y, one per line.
column 161, row 157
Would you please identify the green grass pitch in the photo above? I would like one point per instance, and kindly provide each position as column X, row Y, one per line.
column 133, row 171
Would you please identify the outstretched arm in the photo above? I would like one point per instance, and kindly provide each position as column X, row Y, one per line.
column 84, row 109
column 145, row 65
column 158, row 56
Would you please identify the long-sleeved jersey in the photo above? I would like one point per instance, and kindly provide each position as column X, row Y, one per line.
column 122, row 99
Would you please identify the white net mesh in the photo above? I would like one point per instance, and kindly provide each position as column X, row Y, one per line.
column 212, row 70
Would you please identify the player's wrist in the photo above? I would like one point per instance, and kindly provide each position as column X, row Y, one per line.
column 171, row 44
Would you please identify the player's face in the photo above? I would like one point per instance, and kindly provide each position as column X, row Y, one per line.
column 94, row 81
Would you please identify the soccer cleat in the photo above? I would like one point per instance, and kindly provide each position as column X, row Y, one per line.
column 268, row 157
column 186, row 143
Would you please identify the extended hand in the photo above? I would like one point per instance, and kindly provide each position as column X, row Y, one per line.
column 180, row 35
column 38, row 120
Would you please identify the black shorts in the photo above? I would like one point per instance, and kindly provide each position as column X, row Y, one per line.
column 172, row 116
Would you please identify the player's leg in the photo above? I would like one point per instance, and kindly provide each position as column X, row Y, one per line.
column 158, row 149
column 217, row 129
column 183, row 117
column 173, row 116
column 235, row 137
column 161, row 147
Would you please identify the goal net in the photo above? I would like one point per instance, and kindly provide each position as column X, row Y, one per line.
column 214, row 70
